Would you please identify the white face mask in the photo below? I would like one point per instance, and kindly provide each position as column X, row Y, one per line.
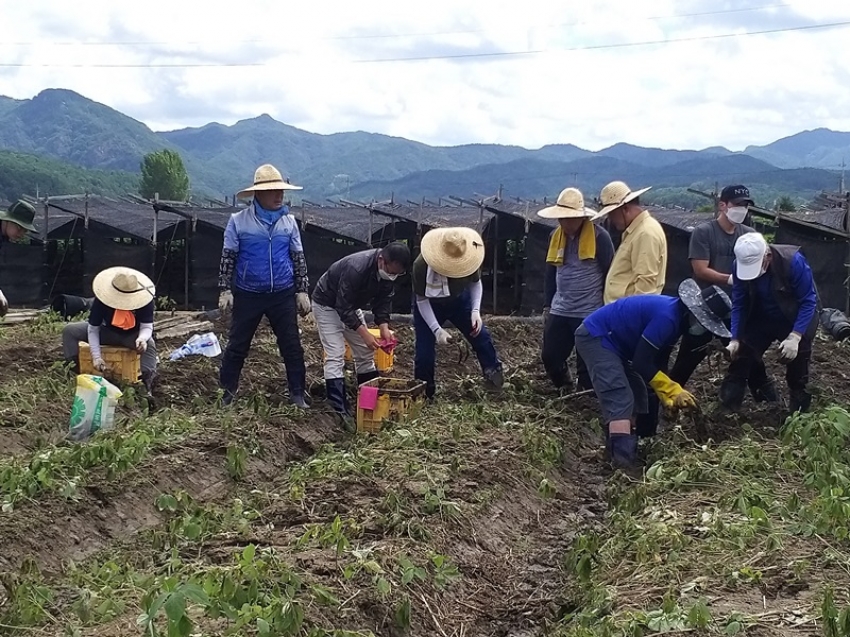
column 386, row 276
column 736, row 214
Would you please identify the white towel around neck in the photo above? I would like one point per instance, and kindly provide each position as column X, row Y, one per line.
column 436, row 285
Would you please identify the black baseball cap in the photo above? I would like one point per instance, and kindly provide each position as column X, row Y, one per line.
column 736, row 195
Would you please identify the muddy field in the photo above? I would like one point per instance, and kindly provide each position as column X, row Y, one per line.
column 488, row 514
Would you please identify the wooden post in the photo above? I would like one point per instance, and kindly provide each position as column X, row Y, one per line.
column 496, row 265
column 371, row 213
column 186, row 267
column 847, row 265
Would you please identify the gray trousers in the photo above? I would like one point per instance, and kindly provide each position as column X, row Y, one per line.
column 334, row 335
column 621, row 391
column 73, row 333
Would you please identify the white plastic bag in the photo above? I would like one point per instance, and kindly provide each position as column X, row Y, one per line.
column 204, row 344
column 94, row 406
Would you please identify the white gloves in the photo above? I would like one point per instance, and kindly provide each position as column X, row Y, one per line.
column 477, row 323
column 4, row 304
column 731, row 280
column 789, row 347
column 99, row 364
column 302, row 302
column 141, row 345
column 225, row 301
column 442, row 336
column 732, row 348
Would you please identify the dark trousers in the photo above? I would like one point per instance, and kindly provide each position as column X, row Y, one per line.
column 694, row 349
column 754, row 344
column 248, row 310
column 457, row 311
column 558, row 343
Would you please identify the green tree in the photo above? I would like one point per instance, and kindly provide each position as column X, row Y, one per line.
column 785, row 204
column 163, row 172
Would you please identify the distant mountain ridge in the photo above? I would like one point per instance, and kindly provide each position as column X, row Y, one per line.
column 65, row 126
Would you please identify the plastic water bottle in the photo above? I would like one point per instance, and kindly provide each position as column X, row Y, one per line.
column 203, row 344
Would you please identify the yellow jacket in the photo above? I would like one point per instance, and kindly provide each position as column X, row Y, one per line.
column 640, row 263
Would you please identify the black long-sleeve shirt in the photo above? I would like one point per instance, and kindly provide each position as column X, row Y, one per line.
column 353, row 283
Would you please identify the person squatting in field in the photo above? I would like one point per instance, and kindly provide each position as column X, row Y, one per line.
column 446, row 279
column 625, row 344
column 362, row 279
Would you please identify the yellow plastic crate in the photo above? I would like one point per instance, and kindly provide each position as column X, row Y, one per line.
column 123, row 363
column 397, row 397
column 383, row 362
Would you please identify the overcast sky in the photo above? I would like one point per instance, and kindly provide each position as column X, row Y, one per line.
column 529, row 73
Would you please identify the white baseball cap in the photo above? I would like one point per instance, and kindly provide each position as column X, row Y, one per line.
column 750, row 249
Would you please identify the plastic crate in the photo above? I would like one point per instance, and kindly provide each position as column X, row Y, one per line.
column 383, row 362
column 123, row 363
column 396, row 398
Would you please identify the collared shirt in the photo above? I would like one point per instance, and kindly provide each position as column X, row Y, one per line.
column 640, row 263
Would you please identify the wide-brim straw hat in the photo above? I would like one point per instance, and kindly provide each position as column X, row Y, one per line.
column 570, row 205
column 266, row 177
column 710, row 306
column 123, row 288
column 617, row 194
column 453, row 252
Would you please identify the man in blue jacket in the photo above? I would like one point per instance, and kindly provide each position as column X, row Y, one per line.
column 774, row 298
column 624, row 345
column 264, row 273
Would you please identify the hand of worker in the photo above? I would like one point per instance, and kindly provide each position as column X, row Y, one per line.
column 99, row 364
column 477, row 323
column 141, row 345
column 302, row 302
column 4, row 304
column 684, row 400
column 789, row 347
column 368, row 340
column 225, row 301
column 442, row 336
column 671, row 394
column 386, row 335
column 731, row 280
column 733, row 348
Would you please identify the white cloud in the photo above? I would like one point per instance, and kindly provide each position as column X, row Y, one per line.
column 312, row 71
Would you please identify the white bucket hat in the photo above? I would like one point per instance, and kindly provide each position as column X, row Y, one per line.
column 570, row 205
column 266, row 177
column 617, row 194
column 453, row 252
column 123, row 288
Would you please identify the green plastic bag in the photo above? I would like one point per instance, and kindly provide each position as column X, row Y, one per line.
column 94, row 406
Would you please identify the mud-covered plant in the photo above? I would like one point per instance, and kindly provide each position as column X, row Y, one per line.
column 237, row 461
column 28, row 598
column 435, row 501
column 444, row 571
column 836, row 623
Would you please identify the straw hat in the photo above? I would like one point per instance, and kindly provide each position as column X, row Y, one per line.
column 453, row 252
column 266, row 177
column 617, row 194
column 123, row 288
column 570, row 205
